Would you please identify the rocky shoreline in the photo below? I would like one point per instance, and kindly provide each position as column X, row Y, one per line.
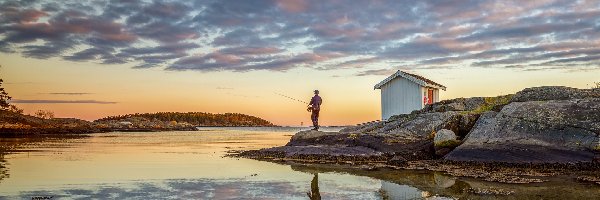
column 14, row 124
column 537, row 132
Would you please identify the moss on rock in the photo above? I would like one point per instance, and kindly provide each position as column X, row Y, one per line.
column 492, row 103
column 447, row 144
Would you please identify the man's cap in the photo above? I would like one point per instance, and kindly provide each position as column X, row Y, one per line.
column 316, row 91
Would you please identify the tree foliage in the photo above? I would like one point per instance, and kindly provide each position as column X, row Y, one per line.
column 45, row 114
column 15, row 109
column 4, row 98
column 198, row 118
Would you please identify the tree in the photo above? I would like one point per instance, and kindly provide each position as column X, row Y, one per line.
column 15, row 109
column 46, row 114
column 4, row 98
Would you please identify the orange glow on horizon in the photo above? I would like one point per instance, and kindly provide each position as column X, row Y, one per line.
column 348, row 99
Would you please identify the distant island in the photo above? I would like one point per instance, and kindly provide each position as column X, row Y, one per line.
column 192, row 118
column 14, row 122
column 21, row 124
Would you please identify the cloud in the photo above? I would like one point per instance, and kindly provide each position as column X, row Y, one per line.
column 251, row 50
column 42, row 101
column 377, row 72
column 294, row 6
column 220, row 62
column 278, row 35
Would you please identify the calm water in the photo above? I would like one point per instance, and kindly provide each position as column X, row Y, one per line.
column 184, row 165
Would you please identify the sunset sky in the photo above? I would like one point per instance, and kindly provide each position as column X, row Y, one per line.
column 90, row 59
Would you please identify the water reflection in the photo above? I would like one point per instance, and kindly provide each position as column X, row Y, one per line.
column 190, row 165
column 177, row 189
column 16, row 144
column 419, row 184
column 3, row 168
column 314, row 193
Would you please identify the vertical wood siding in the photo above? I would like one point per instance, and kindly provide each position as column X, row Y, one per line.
column 400, row 96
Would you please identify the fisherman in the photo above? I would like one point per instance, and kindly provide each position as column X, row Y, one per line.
column 315, row 106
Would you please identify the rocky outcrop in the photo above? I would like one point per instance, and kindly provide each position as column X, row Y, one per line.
column 140, row 124
column 18, row 124
column 546, row 93
column 400, row 139
column 554, row 131
column 15, row 124
column 459, row 104
column 540, row 125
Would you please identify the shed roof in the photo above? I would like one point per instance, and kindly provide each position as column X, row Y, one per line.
column 412, row 77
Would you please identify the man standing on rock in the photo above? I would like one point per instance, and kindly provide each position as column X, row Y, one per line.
column 315, row 106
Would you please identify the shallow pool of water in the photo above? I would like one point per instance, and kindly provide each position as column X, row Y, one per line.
column 184, row 165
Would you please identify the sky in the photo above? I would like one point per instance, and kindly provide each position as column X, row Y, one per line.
column 90, row 59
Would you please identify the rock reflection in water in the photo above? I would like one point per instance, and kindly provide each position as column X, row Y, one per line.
column 417, row 184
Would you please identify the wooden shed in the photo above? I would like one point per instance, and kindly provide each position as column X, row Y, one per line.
column 402, row 93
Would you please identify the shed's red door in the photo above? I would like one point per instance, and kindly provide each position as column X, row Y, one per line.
column 430, row 96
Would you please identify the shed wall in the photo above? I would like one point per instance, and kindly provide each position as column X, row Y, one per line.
column 400, row 96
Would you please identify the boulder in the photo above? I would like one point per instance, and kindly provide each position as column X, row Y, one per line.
column 444, row 141
column 444, row 135
column 554, row 131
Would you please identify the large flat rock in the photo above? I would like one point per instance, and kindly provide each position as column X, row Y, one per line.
column 555, row 131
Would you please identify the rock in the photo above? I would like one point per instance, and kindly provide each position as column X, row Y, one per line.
column 311, row 134
column 443, row 135
column 397, row 161
column 442, row 151
column 444, row 141
column 443, row 181
column 409, row 136
column 546, row 93
column 467, row 121
column 319, row 153
column 423, row 125
column 555, row 131
column 459, row 104
column 370, row 127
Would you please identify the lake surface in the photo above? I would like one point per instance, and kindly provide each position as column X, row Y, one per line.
column 191, row 165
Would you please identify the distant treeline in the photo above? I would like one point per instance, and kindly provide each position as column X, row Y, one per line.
column 198, row 118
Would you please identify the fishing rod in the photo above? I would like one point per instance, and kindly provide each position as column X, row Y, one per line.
column 290, row 98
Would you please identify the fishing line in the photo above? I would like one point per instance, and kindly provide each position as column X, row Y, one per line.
column 290, row 98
